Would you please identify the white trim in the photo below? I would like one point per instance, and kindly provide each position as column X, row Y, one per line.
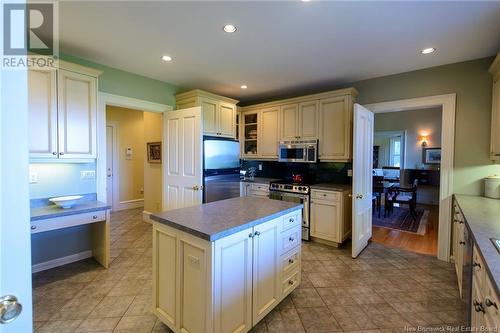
column 60, row 261
column 447, row 103
column 129, row 204
column 105, row 99
column 146, row 216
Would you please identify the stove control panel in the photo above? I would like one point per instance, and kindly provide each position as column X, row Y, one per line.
column 290, row 188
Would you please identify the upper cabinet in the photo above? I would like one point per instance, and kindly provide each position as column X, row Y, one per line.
column 326, row 117
column 63, row 112
column 219, row 112
column 495, row 111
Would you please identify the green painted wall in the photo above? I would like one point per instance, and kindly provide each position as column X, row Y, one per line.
column 473, row 85
column 118, row 82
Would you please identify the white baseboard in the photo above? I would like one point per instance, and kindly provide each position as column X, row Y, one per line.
column 129, row 204
column 146, row 216
column 60, row 261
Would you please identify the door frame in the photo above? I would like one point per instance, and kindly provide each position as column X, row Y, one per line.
column 104, row 100
column 447, row 103
column 115, row 169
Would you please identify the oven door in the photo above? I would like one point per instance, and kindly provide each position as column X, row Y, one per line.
column 296, row 198
column 292, row 153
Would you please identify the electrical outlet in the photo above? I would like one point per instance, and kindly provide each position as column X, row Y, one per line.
column 33, row 177
column 349, row 173
column 260, row 167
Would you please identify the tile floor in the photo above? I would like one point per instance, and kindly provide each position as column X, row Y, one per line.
column 382, row 291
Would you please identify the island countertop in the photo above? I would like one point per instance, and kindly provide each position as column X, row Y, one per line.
column 482, row 216
column 219, row 219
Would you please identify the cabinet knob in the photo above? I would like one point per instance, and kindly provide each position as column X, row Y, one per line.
column 489, row 303
column 292, row 220
column 476, row 264
column 94, row 217
column 291, row 261
column 250, row 235
column 291, row 282
column 33, row 227
column 61, row 153
column 257, row 233
column 54, row 153
column 461, row 243
column 291, row 239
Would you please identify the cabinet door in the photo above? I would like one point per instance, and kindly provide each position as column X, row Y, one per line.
column 77, row 108
column 42, row 113
column 250, row 134
column 227, row 120
column 495, row 122
column 308, row 120
column 233, row 283
column 269, row 136
column 209, row 108
column 266, row 263
column 326, row 221
column 335, row 133
column 289, row 122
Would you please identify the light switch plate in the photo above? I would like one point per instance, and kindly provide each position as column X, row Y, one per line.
column 33, row 177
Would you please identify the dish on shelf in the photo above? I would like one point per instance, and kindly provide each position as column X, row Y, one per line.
column 66, row 201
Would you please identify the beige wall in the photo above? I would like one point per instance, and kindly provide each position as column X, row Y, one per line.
column 416, row 123
column 152, row 171
column 473, row 84
column 130, row 133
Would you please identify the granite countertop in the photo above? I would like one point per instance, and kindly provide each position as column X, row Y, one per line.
column 482, row 217
column 331, row 187
column 51, row 211
column 260, row 180
column 219, row 219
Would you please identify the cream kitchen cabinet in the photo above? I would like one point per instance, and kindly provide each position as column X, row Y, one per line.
column 259, row 190
column 300, row 121
column 330, row 215
column 335, row 129
column 260, row 137
column 219, row 112
column 495, row 110
column 226, row 285
column 63, row 112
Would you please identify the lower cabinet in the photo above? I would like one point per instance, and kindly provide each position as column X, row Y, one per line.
column 330, row 215
column 227, row 285
column 254, row 190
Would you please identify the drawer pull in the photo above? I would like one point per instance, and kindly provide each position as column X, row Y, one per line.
column 476, row 264
column 33, row 227
column 292, row 220
column 94, row 217
column 257, row 233
column 461, row 243
column 291, row 282
column 489, row 303
column 291, row 239
column 324, row 194
column 291, row 261
column 250, row 235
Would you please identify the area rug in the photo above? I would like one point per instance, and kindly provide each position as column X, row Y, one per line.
column 401, row 219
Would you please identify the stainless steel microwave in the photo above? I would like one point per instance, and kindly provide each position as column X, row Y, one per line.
column 305, row 151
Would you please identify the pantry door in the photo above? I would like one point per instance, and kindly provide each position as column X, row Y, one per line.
column 183, row 163
column 15, row 235
column 362, row 179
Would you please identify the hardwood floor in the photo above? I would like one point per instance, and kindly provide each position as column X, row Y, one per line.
column 425, row 244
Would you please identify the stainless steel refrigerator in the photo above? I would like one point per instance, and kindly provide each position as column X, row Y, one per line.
column 221, row 169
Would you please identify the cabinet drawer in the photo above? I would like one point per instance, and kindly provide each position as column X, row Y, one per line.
column 291, row 220
column 290, row 262
column 259, row 194
column 290, row 282
column 326, row 195
column 67, row 221
column 259, row 187
column 478, row 267
column 491, row 305
column 290, row 239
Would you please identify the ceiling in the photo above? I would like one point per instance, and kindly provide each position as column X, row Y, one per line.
column 280, row 47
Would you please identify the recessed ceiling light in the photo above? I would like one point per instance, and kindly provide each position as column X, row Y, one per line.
column 306, row 0
column 428, row 50
column 166, row 58
column 244, row 86
column 229, row 28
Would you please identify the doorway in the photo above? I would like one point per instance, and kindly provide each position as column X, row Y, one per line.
column 444, row 155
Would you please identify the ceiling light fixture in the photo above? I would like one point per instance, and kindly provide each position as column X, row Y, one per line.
column 244, row 86
column 166, row 58
column 229, row 28
column 428, row 50
column 305, row 0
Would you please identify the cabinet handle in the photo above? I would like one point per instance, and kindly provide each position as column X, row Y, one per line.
column 291, row 239
column 292, row 220
column 291, row 261
column 291, row 282
column 461, row 243
column 94, row 217
column 489, row 303
column 257, row 233
column 61, row 153
column 478, row 307
column 54, row 153
column 250, row 235
column 476, row 264
column 33, row 227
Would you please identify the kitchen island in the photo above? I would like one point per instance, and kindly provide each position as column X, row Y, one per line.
column 223, row 266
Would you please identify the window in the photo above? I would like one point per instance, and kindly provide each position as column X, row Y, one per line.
column 395, row 151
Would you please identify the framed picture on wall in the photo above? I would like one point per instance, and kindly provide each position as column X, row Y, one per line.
column 432, row 155
column 154, row 152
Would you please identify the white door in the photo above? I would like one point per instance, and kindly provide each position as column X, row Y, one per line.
column 15, row 237
column 77, row 115
column 362, row 177
column 233, row 283
column 109, row 163
column 266, row 282
column 182, row 164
